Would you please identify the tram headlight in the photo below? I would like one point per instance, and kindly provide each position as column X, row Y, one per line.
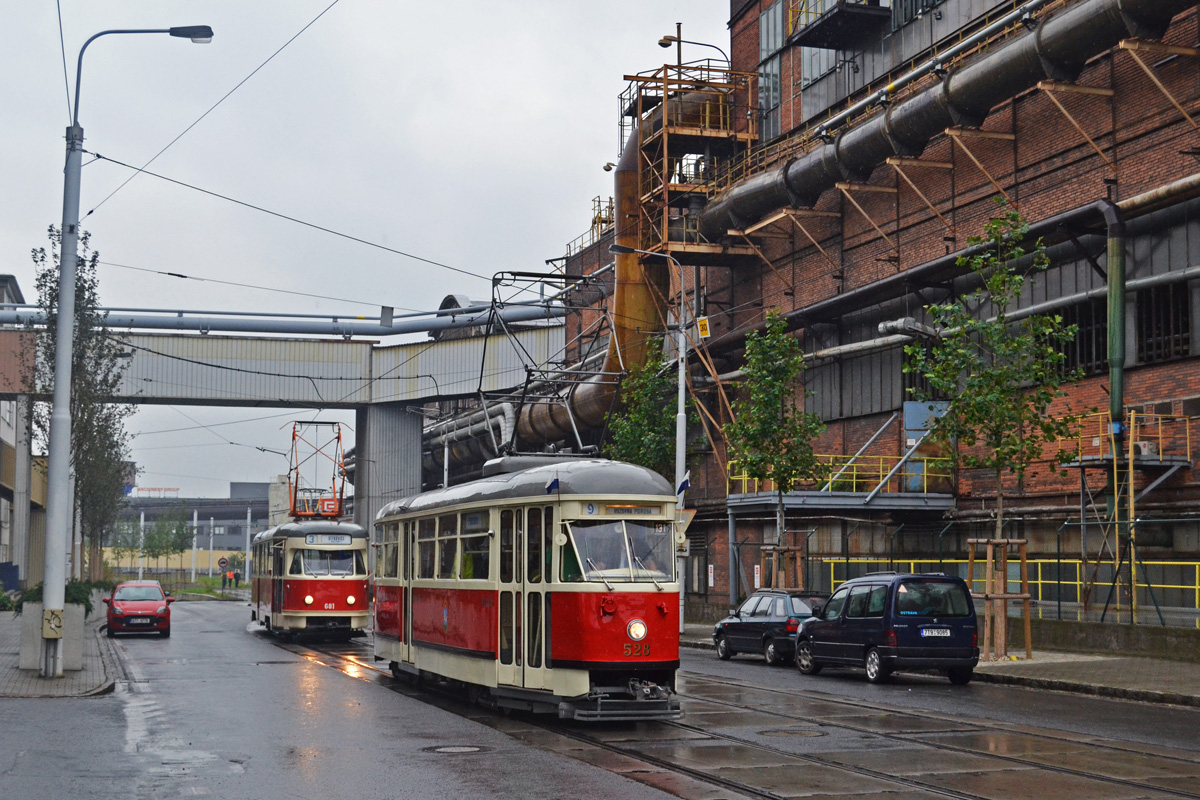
column 350, row 600
column 308, row 599
column 636, row 630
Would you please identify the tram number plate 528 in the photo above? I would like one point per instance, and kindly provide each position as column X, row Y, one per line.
column 642, row 649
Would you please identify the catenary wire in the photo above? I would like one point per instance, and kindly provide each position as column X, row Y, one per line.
column 250, row 286
column 202, row 116
column 63, row 47
column 296, row 220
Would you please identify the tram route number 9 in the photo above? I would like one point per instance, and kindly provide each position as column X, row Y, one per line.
column 640, row 649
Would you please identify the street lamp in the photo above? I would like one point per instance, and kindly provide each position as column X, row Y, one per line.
column 59, row 514
column 667, row 41
column 681, row 406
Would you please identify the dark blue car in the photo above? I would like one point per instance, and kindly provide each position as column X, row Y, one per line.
column 885, row 622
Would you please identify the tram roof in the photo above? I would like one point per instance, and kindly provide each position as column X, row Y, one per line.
column 302, row 528
column 582, row 477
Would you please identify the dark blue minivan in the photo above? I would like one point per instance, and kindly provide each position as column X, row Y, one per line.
column 884, row 622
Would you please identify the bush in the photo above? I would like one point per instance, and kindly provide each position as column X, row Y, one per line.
column 79, row 592
column 7, row 603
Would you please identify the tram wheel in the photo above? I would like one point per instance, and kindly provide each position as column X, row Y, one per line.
column 395, row 668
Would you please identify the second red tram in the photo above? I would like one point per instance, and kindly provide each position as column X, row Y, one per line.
column 311, row 578
column 550, row 588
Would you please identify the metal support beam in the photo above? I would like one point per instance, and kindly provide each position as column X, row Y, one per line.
column 896, row 163
column 845, row 190
column 836, row 266
column 1049, row 87
column 1133, row 46
column 956, row 135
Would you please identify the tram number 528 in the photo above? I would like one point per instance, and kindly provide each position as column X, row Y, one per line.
column 637, row 649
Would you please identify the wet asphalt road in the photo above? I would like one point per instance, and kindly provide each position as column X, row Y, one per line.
column 217, row 711
column 1119, row 720
column 221, row 710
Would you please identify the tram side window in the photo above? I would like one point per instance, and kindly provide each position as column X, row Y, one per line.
column 506, row 547
column 447, row 545
column 534, row 534
column 389, row 560
column 548, row 537
column 426, row 529
column 405, row 555
column 476, row 547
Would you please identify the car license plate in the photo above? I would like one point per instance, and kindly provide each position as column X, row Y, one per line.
column 935, row 631
column 139, row 620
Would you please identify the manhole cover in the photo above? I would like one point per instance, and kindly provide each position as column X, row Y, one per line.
column 792, row 732
column 455, row 749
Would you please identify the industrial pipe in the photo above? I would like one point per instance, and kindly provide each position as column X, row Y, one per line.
column 1057, row 49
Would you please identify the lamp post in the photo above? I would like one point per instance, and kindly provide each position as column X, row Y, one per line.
column 681, row 405
column 678, row 41
column 59, row 514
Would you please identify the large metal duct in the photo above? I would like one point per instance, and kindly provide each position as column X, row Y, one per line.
column 1057, row 49
column 637, row 317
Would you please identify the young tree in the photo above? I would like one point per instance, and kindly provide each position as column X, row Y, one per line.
column 99, row 441
column 1000, row 376
column 642, row 431
column 771, row 436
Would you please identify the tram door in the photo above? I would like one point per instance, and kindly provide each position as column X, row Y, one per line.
column 509, row 671
column 408, row 547
column 539, row 526
column 278, row 577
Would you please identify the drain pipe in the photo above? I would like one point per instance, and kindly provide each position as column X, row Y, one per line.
column 1115, row 222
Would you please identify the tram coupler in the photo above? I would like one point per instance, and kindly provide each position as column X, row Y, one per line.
column 647, row 690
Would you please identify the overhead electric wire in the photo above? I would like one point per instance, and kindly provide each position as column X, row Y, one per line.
column 250, row 286
column 202, row 116
column 63, row 47
column 312, row 225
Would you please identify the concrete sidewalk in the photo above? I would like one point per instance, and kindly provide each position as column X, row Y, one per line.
column 1151, row 680
column 99, row 663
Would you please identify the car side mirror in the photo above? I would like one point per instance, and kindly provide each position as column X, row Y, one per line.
column 170, row 599
column 107, row 600
column 733, row 612
column 816, row 610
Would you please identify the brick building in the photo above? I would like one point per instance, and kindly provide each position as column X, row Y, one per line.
column 835, row 169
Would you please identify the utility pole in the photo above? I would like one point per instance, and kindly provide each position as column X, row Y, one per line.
column 210, row 552
column 246, row 560
column 142, row 546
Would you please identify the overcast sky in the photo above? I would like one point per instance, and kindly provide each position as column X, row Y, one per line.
column 470, row 133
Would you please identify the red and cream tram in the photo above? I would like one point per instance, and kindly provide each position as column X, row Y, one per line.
column 550, row 588
column 311, row 578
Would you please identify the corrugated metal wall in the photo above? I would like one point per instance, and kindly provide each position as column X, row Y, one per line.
column 228, row 370
column 388, row 454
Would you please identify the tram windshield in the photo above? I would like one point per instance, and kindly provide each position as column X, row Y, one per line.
column 327, row 562
column 620, row 550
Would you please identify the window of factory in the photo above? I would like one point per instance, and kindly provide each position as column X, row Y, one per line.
column 815, row 62
column 1089, row 351
column 905, row 11
column 770, row 31
column 770, row 92
column 770, row 85
column 1164, row 323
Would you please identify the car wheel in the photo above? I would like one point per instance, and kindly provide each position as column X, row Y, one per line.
column 960, row 676
column 771, row 654
column 724, row 651
column 165, row 632
column 804, row 659
column 876, row 671
column 111, row 633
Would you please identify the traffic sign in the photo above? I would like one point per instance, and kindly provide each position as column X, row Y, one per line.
column 222, row 562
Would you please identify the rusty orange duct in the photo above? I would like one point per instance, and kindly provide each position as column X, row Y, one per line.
column 636, row 318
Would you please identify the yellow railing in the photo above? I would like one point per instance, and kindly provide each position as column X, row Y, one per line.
column 843, row 473
column 1043, row 584
column 1153, row 436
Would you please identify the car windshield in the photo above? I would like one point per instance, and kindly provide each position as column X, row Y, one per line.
column 622, row 550
column 923, row 598
column 131, row 593
column 327, row 562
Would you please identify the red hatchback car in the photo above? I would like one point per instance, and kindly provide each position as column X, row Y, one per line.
column 139, row 606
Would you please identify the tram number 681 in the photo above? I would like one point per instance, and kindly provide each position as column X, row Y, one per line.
column 637, row 649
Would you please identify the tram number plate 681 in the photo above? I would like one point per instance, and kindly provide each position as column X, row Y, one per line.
column 642, row 649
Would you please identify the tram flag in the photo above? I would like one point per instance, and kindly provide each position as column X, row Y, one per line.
column 685, row 484
column 552, row 485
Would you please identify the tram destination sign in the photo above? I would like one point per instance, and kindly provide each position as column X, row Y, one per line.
column 327, row 538
column 633, row 510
